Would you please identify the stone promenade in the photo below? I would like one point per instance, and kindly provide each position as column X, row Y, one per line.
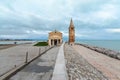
column 110, row 67
column 78, row 68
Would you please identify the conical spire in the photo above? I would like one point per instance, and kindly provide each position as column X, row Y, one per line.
column 71, row 23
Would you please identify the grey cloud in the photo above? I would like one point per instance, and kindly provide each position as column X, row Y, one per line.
column 20, row 19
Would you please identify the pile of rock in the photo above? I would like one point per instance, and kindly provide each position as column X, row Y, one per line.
column 78, row 68
column 108, row 52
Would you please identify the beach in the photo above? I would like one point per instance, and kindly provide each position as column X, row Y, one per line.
column 8, row 44
column 5, row 46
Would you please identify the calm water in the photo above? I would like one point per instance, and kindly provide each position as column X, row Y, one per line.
column 110, row 44
column 17, row 42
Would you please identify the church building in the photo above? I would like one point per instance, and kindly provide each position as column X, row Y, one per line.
column 55, row 38
column 71, row 33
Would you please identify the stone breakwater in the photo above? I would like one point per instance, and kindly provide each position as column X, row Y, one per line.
column 108, row 52
column 78, row 68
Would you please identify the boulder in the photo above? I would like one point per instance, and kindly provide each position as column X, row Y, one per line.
column 118, row 56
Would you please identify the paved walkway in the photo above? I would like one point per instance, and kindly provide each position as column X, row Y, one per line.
column 60, row 72
column 40, row 69
column 108, row 66
column 15, row 56
column 78, row 68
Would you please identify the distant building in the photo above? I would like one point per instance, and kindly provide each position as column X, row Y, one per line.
column 71, row 33
column 55, row 38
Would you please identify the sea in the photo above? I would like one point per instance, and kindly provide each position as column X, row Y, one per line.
column 17, row 42
column 109, row 44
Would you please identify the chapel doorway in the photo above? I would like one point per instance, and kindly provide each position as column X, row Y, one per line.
column 55, row 42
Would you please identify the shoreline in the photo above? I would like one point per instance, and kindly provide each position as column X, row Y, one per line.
column 5, row 46
column 15, row 42
column 107, row 52
column 8, row 44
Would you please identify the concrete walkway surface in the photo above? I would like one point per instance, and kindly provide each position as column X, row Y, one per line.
column 40, row 69
column 15, row 56
column 60, row 72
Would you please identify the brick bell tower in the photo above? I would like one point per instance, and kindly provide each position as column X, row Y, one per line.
column 71, row 33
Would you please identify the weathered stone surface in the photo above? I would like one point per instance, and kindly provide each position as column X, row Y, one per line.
column 78, row 68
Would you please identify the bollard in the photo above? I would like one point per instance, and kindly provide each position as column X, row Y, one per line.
column 45, row 48
column 39, row 51
column 26, row 58
column 15, row 66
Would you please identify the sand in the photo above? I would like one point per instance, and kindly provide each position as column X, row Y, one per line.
column 5, row 46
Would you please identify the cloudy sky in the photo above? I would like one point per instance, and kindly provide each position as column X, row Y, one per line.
column 33, row 19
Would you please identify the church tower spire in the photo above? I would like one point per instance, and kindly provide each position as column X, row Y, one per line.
column 71, row 33
column 71, row 23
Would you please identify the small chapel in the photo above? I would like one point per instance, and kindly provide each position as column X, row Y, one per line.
column 55, row 37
